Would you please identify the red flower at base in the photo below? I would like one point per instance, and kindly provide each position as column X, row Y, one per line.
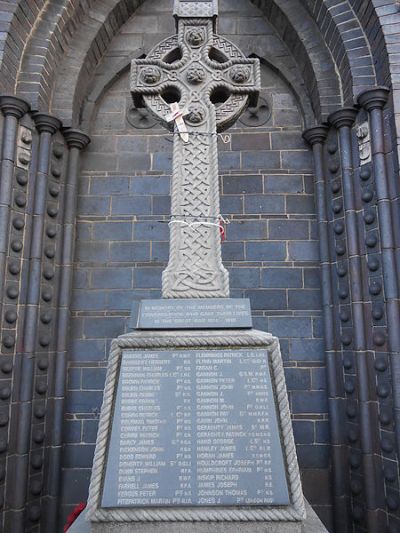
column 74, row 515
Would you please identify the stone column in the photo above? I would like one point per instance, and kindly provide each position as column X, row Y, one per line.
column 343, row 121
column 373, row 101
column 46, row 125
column 13, row 109
column 316, row 137
column 77, row 141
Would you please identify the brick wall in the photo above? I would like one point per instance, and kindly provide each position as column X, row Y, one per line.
column 271, row 252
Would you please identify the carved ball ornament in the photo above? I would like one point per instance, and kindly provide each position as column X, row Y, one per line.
column 240, row 74
column 196, row 115
column 195, row 36
column 151, row 75
column 195, row 74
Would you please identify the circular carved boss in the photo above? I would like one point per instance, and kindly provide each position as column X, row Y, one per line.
column 227, row 111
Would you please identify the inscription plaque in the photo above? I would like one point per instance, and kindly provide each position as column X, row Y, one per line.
column 194, row 313
column 195, row 428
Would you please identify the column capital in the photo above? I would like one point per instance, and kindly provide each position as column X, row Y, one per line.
column 76, row 138
column 14, row 106
column 46, row 123
column 344, row 117
column 374, row 98
column 316, row 134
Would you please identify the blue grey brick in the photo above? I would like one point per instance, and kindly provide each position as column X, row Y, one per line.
column 92, row 251
column 93, row 378
column 307, row 350
column 243, row 230
column 129, row 251
column 260, row 160
column 251, row 141
column 76, row 484
column 301, row 203
column 288, row 229
column 100, row 327
column 161, row 205
column 80, row 278
column 313, row 456
column 159, row 251
column 304, row 299
column 231, row 205
column 112, row 231
column 87, row 349
column 148, row 277
column 132, row 143
column 150, row 231
column 322, row 434
column 83, row 401
column 289, row 326
column 93, row 205
column 265, row 251
column 303, row 431
column 87, row 300
column 260, row 322
column 83, row 231
column 297, row 160
column 312, row 278
column 244, row 278
column 228, row 160
column 76, row 325
column 318, row 327
column 309, row 402
column 283, row 184
column 242, row 184
column 281, row 277
column 259, row 204
column 267, row 299
column 112, row 278
column 134, row 162
column 162, row 162
column 154, row 185
column 89, row 430
column 303, row 251
column 137, row 205
column 318, row 378
column 122, row 300
column 297, row 378
column 232, row 251
column 109, row 185
column 72, row 431
column 284, row 140
column 78, row 455
column 74, row 379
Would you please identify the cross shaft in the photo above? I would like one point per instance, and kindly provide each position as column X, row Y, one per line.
column 211, row 78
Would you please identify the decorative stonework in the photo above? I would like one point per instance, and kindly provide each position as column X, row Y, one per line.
column 196, row 340
column 213, row 83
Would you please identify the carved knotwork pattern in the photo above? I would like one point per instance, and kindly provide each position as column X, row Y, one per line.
column 187, row 69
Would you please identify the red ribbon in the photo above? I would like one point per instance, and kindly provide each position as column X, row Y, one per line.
column 74, row 515
column 222, row 230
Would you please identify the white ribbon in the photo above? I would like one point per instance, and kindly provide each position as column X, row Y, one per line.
column 177, row 115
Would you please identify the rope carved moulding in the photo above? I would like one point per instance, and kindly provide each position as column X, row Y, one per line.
column 193, row 339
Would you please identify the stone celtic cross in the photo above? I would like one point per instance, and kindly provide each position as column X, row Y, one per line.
column 213, row 83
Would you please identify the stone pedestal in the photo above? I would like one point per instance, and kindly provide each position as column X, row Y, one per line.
column 253, row 359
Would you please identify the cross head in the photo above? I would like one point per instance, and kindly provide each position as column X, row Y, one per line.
column 208, row 77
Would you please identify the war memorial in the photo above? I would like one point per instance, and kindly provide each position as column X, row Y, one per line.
column 199, row 264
